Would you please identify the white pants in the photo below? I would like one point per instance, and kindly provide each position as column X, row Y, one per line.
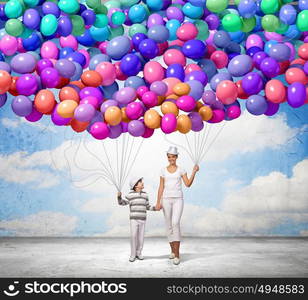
column 173, row 208
column 136, row 236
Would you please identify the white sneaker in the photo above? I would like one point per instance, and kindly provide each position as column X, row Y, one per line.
column 171, row 256
column 140, row 257
column 176, row 261
column 132, row 258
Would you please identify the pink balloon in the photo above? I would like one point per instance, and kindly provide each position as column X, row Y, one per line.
column 148, row 132
column 191, row 67
column 186, row 103
column 150, row 99
column 99, row 130
column 49, row 50
column 87, row 56
column 20, row 47
column 174, row 56
column 171, row 82
column 141, row 90
column 153, row 71
column 254, row 40
column 69, row 41
column 108, row 72
column 209, row 40
column 34, row 116
column 168, row 123
column 293, row 51
column 233, row 112
column 134, row 110
column 273, row 36
column 218, row 116
column 9, row 45
column 90, row 100
column 103, row 47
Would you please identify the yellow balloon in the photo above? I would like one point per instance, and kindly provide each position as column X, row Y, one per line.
column 181, row 89
column 113, row 115
column 183, row 124
column 206, row 113
column 152, row 119
column 124, row 116
column 169, row 107
column 66, row 108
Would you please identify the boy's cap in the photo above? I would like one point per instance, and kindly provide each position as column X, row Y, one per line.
column 133, row 181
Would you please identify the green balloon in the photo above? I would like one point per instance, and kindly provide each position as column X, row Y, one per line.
column 216, row 5
column 248, row 24
column 101, row 21
column 93, row 3
column 27, row 32
column 203, row 30
column 128, row 3
column 117, row 31
column 282, row 28
column 269, row 6
column 112, row 4
column 118, row 18
column 136, row 28
column 78, row 25
column 270, row 23
column 13, row 9
column 237, row 2
column 232, row 22
column 69, row 6
column 14, row 27
column 49, row 25
column 101, row 9
column 302, row 20
column 31, row 3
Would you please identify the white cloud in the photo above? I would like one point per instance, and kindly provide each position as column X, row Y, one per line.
column 304, row 233
column 44, row 223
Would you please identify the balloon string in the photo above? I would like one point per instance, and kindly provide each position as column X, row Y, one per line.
column 205, row 136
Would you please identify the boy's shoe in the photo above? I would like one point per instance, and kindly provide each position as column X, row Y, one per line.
column 172, row 256
column 176, row 261
column 140, row 257
column 132, row 258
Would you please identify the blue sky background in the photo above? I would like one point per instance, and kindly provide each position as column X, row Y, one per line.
column 18, row 200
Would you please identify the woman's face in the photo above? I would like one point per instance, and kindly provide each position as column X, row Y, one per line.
column 172, row 159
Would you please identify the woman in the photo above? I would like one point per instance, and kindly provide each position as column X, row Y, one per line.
column 170, row 199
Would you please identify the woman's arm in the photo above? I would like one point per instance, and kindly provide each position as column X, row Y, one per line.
column 189, row 181
column 160, row 193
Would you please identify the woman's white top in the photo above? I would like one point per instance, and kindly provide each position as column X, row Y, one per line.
column 173, row 182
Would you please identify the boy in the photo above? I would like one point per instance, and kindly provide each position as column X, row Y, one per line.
column 138, row 202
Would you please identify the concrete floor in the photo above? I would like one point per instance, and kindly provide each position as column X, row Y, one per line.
column 108, row 257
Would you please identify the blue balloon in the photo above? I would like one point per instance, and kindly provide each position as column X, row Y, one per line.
column 148, row 48
column 292, row 33
column 303, row 4
column 237, row 36
column 158, row 33
column 288, row 14
column 200, row 3
column 137, row 13
column 86, row 39
column 208, row 66
column 100, row 34
column 232, row 47
column 268, row 45
column 110, row 90
column 194, row 49
column 172, row 26
column 217, row 78
column 155, row 5
column 247, row 8
column 256, row 105
column 32, row 43
column 96, row 59
column 118, row 47
column 191, row 11
column 66, row 51
column 134, row 82
column 176, row 70
column 221, row 39
column 78, row 72
column 65, row 26
column 196, row 89
column 130, row 64
column 137, row 38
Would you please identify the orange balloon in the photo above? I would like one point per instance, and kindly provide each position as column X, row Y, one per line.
column 169, row 107
column 160, row 100
column 78, row 83
column 66, row 108
column 206, row 113
column 183, row 124
column 91, row 78
column 79, row 126
column 152, row 119
column 296, row 75
column 13, row 90
column 171, row 82
column 44, row 101
column 181, row 89
column 124, row 115
column 68, row 93
column 275, row 91
column 5, row 81
column 303, row 51
column 226, row 91
column 297, row 61
column 113, row 115
column 172, row 96
column 198, row 105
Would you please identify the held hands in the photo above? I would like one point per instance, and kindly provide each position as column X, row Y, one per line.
column 196, row 169
column 119, row 194
column 158, row 206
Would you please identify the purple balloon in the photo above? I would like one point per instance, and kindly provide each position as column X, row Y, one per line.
column 124, row 127
column 50, row 77
column 34, row 116
column 256, row 105
column 197, row 75
column 5, row 67
column 91, row 91
column 126, row 95
column 196, row 89
column 196, row 121
column 216, row 79
column 65, row 68
column 107, row 104
column 22, row 106
column 43, row 64
column 176, row 70
column 51, row 8
column 208, row 97
column 84, row 112
column 252, row 83
column 159, row 88
column 31, row 18
column 296, row 94
column 194, row 49
column 130, row 64
column 3, row 98
column 136, row 128
column 115, row 131
column 270, row 67
column 155, row 19
column 173, row 12
column 23, row 63
column 272, row 108
column 240, row 65
column 65, row 26
column 280, row 52
column 258, row 58
column 57, row 119
column 27, row 84
column 306, row 67
column 212, row 21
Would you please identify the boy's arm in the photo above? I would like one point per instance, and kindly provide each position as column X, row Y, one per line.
column 149, row 207
column 122, row 201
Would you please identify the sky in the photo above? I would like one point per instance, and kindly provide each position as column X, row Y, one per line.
column 252, row 181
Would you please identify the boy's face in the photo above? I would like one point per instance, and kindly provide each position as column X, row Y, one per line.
column 172, row 158
column 140, row 185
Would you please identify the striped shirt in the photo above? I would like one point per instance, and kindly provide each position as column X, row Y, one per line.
column 138, row 204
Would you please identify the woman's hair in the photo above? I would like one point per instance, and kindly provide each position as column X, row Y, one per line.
column 176, row 155
column 134, row 188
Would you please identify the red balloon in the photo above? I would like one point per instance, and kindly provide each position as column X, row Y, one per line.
column 227, row 91
column 275, row 91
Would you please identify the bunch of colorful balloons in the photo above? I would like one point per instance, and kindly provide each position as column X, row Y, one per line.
column 137, row 66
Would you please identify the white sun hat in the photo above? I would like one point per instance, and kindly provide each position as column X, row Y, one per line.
column 133, row 181
column 173, row 150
